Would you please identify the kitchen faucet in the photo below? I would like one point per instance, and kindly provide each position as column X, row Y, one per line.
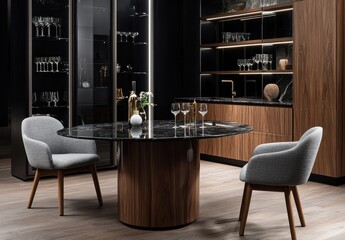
column 233, row 92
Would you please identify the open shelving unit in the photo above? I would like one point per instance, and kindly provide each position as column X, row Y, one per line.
column 270, row 29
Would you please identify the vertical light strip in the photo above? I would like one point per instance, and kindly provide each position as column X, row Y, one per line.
column 200, row 54
column 150, row 53
column 114, row 56
column 70, row 62
column 30, row 57
column 114, row 144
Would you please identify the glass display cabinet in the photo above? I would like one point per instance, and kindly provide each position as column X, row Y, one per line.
column 134, row 52
column 83, row 58
column 246, row 49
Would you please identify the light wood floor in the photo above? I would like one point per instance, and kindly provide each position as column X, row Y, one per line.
column 220, row 198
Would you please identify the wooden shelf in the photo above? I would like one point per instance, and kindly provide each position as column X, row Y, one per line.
column 253, row 12
column 249, row 43
column 251, row 72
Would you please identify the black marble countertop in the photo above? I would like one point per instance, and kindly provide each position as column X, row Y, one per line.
column 154, row 130
column 240, row 101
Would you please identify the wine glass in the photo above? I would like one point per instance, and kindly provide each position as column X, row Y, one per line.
column 185, row 107
column 55, row 98
column 202, row 111
column 35, row 22
column 175, row 109
column 134, row 35
column 34, row 98
column 239, row 63
column 126, row 34
column 56, row 61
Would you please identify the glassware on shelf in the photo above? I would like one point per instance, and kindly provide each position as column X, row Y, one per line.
column 57, row 61
column 129, row 68
column 185, row 108
column 36, row 24
column 118, row 68
column 119, row 95
column 126, row 34
column 132, row 9
column 239, row 63
column 34, row 98
column 257, row 60
column 48, row 98
column 37, row 62
column 56, row 23
column 41, row 24
column 51, row 61
column 134, row 35
column 202, row 111
column 65, row 97
column 47, row 23
column 175, row 109
column 270, row 60
column 121, row 34
column 55, row 98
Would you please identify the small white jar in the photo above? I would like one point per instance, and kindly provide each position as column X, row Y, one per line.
column 136, row 119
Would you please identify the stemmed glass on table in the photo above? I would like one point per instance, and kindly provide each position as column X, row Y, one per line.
column 202, row 111
column 175, row 109
column 185, row 108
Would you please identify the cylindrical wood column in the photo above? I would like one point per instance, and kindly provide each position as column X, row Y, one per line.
column 158, row 183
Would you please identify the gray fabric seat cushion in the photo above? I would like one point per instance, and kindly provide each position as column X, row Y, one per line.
column 69, row 160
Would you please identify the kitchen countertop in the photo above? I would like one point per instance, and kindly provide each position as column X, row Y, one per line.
column 239, row 101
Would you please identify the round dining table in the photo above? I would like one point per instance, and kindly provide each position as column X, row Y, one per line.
column 158, row 168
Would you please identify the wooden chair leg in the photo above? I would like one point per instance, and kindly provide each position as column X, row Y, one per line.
column 289, row 212
column 96, row 183
column 298, row 205
column 247, row 198
column 34, row 187
column 60, row 174
column 242, row 203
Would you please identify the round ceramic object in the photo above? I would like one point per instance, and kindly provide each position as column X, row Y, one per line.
column 271, row 91
column 136, row 131
column 136, row 120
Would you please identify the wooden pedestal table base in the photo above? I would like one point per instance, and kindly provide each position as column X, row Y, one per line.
column 158, row 183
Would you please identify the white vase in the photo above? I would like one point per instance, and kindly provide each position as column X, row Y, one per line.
column 136, row 131
column 136, row 120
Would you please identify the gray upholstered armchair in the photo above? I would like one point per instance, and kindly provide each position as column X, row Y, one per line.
column 52, row 154
column 280, row 167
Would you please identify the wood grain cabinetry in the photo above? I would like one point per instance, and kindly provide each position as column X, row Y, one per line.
column 319, row 79
column 270, row 124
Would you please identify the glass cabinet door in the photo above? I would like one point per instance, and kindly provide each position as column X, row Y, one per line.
column 92, row 82
column 133, row 52
column 49, row 40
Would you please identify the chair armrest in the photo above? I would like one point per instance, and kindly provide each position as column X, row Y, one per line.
column 273, row 147
column 73, row 145
column 38, row 153
column 277, row 168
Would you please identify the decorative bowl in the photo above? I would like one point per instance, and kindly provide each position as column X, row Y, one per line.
column 239, row 6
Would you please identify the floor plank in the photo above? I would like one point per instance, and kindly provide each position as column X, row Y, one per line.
column 220, row 199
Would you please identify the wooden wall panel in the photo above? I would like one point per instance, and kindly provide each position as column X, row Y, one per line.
column 270, row 124
column 341, row 83
column 317, row 79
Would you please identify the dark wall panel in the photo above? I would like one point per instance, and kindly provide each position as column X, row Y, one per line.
column 4, row 82
column 176, row 53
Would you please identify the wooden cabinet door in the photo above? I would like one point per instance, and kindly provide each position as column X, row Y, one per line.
column 318, row 98
column 270, row 124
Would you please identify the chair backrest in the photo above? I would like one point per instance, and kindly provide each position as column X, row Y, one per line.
column 44, row 128
column 305, row 154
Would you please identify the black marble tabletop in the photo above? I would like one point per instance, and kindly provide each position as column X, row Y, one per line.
column 154, row 130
